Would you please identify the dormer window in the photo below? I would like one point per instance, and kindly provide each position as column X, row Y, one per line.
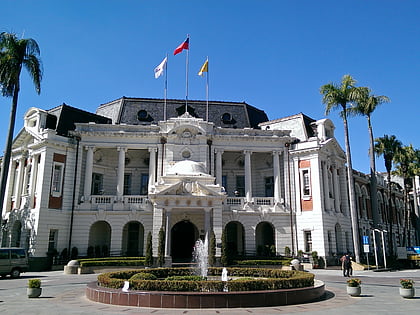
column 143, row 115
column 227, row 118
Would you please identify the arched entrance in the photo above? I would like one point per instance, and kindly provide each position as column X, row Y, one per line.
column 235, row 236
column 183, row 237
column 264, row 239
column 133, row 239
column 99, row 239
column 16, row 234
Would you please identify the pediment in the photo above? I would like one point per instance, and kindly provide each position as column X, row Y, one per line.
column 189, row 188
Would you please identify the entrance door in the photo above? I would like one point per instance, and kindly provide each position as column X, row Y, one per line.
column 183, row 236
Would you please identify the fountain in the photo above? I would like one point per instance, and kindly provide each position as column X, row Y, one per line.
column 215, row 292
column 200, row 256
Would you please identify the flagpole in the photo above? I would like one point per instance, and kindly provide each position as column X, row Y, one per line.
column 207, row 91
column 186, row 77
column 165, row 91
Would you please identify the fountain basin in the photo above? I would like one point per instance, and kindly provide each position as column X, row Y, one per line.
column 282, row 288
column 202, row 300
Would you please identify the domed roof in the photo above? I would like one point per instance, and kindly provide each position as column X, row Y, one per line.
column 188, row 167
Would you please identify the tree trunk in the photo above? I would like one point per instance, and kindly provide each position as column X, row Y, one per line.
column 7, row 153
column 352, row 198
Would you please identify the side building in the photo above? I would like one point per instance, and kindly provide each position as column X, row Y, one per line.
column 101, row 182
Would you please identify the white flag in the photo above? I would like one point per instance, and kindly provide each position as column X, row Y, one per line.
column 159, row 69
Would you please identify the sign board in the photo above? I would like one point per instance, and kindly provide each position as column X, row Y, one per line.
column 366, row 241
column 413, row 250
column 366, row 248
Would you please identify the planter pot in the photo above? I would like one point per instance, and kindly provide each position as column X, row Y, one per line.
column 407, row 293
column 354, row 291
column 33, row 292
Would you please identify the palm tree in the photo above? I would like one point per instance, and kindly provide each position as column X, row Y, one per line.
column 407, row 167
column 14, row 54
column 338, row 96
column 365, row 105
column 388, row 146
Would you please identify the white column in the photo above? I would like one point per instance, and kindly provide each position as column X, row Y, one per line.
column 218, row 227
column 207, row 221
column 276, row 175
column 18, row 186
column 286, row 178
column 152, row 167
column 32, row 180
column 120, row 172
column 88, row 172
column 248, row 179
column 336, row 189
column 219, row 173
column 168, row 233
column 326, row 185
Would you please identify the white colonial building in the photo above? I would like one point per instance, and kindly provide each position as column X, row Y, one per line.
column 101, row 182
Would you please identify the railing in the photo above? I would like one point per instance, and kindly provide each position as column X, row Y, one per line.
column 135, row 199
column 264, row 201
column 102, row 199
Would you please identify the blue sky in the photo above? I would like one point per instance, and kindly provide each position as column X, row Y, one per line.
column 272, row 54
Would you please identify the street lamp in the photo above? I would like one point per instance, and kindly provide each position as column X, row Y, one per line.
column 383, row 245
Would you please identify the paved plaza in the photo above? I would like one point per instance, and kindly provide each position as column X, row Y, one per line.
column 65, row 294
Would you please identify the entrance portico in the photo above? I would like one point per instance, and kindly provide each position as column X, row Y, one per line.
column 188, row 205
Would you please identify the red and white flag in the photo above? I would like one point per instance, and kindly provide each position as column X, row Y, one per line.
column 184, row 45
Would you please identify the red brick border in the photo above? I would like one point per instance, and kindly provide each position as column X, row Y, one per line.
column 159, row 299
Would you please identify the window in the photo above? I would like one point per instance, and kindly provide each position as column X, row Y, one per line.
column 52, row 240
column 144, row 184
column 224, row 182
column 240, row 185
column 306, row 183
column 97, row 184
column 57, row 179
column 308, row 241
column 269, row 186
column 127, row 184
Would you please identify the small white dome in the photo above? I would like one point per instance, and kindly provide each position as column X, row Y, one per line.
column 188, row 167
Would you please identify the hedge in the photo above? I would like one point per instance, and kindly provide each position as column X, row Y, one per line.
column 112, row 261
column 268, row 279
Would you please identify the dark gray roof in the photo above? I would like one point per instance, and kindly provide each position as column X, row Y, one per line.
column 136, row 111
column 63, row 118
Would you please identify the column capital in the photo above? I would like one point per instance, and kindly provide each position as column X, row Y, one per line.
column 122, row 148
column 247, row 152
column 276, row 152
column 90, row 147
column 219, row 150
column 152, row 149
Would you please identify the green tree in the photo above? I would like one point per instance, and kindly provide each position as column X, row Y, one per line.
column 148, row 259
column 388, row 146
column 407, row 166
column 225, row 256
column 365, row 105
column 337, row 96
column 161, row 247
column 212, row 249
column 15, row 54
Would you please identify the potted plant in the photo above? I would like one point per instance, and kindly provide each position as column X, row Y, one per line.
column 407, row 288
column 353, row 287
column 34, row 288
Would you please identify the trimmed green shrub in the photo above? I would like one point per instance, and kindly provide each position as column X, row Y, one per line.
column 161, row 248
column 185, row 278
column 270, row 279
column 212, row 249
column 149, row 252
column 34, row 283
column 74, row 253
column 143, row 276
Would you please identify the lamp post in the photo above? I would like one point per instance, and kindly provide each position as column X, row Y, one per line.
column 374, row 249
column 383, row 242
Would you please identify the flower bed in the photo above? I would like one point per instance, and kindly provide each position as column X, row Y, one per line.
column 262, row 279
